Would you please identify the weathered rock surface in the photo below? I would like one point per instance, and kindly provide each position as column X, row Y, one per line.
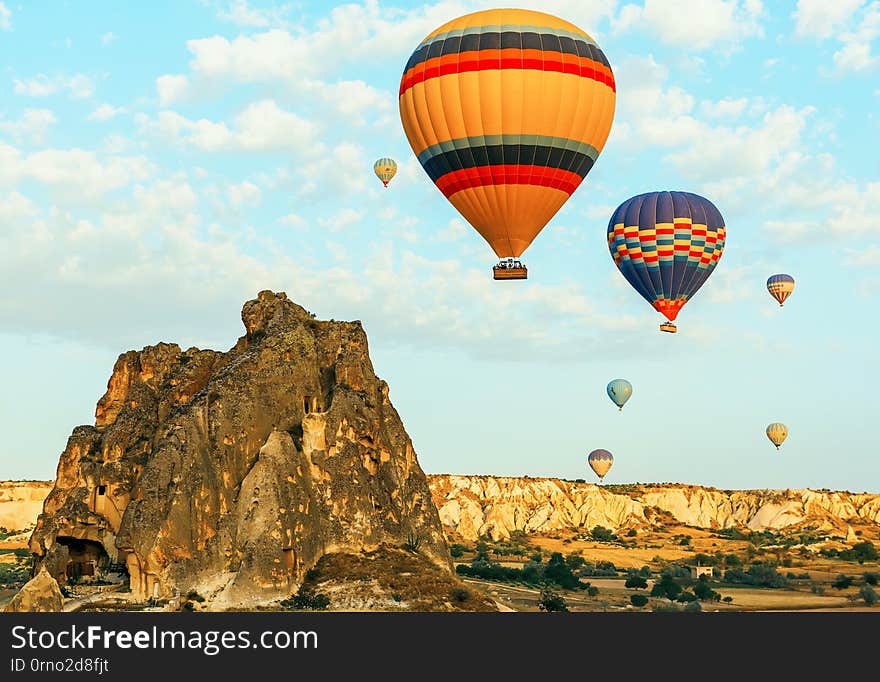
column 40, row 593
column 232, row 473
column 21, row 502
column 493, row 505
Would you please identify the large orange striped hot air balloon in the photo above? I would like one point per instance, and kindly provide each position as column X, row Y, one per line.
column 507, row 111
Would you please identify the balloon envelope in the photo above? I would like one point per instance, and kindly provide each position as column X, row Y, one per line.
column 385, row 169
column 780, row 287
column 600, row 461
column 619, row 390
column 666, row 244
column 777, row 433
column 507, row 111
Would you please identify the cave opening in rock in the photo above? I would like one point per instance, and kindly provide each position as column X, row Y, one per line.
column 102, row 489
column 85, row 557
column 307, row 404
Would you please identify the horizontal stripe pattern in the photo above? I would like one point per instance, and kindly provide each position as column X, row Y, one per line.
column 524, row 155
column 542, row 176
column 666, row 244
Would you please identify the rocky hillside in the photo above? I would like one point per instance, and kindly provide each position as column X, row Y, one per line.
column 233, row 473
column 21, row 502
column 492, row 505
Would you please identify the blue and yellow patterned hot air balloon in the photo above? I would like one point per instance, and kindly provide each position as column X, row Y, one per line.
column 600, row 462
column 777, row 433
column 385, row 169
column 507, row 111
column 619, row 390
column 780, row 287
column 666, row 244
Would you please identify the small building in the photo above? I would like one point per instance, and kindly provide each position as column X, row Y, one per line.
column 697, row 571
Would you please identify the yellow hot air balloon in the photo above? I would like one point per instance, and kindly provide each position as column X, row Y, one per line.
column 385, row 169
column 507, row 111
column 777, row 433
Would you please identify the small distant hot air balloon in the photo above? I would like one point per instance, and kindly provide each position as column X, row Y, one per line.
column 507, row 111
column 385, row 169
column 600, row 461
column 619, row 390
column 780, row 287
column 666, row 244
column 777, row 433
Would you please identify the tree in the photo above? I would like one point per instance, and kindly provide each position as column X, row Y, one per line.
column 862, row 552
column 666, row 587
column 602, row 534
column 536, row 557
column 636, row 582
column 868, row 594
column 871, row 578
column 638, row 600
column 456, row 550
column 841, row 582
column 704, row 592
column 551, row 601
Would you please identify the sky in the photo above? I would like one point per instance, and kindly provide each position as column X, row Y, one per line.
column 162, row 162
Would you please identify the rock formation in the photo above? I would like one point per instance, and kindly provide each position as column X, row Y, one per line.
column 472, row 506
column 21, row 502
column 40, row 593
column 231, row 474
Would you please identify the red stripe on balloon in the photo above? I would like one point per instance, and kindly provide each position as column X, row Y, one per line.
column 511, row 174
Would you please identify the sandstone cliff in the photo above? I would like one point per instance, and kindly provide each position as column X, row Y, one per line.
column 21, row 502
column 40, row 594
column 231, row 474
column 493, row 505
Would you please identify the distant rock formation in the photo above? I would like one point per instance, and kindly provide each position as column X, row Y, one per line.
column 40, row 593
column 472, row 506
column 231, row 474
column 21, row 502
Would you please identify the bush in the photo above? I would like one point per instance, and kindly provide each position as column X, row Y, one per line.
column 602, row 534
column 456, row 550
column 841, row 582
column 638, row 600
column 592, row 591
column 816, row 588
column 861, row 552
column 192, row 595
column 871, row 578
column 306, row 600
column 693, row 607
column 727, row 599
column 758, row 575
column 459, row 595
column 868, row 594
column 636, row 582
column 552, row 601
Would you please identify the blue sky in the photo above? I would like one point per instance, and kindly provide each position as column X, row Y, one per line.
column 161, row 163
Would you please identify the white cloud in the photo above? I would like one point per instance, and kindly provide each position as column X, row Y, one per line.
column 342, row 219
column 293, row 220
column 821, row 19
column 857, row 51
column 108, row 38
column 5, row 18
column 78, row 85
column 244, row 194
column 31, row 127
column 261, row 127
column 105, row 112
column 240, row 13
column 171, row 88
column 869, row 256
column 73, row 174
column 694, row 25
column 724, row 108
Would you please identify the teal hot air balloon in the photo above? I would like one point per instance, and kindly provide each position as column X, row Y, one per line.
column 666, row 244
column 619, row 390
column 600, row 461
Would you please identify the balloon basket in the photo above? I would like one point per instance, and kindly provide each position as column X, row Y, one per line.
column 510, row 269
column 668, row 327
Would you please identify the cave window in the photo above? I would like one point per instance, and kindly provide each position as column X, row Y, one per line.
column 102, row 489
column 307, row 404
column 288, row 559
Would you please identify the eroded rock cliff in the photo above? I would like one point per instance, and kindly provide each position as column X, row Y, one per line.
column 494, row 505
column 232, row 473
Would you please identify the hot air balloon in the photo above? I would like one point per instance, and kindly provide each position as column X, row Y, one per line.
column 780, row 287
column 507, row 111
column 385, row 169
column 619, row 390
column 777, row 433
column 666, row 244
column 600, row 462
